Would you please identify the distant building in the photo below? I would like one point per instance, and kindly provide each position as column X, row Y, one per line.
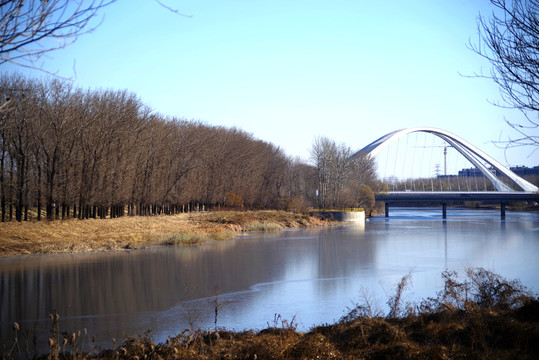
column 472, row 172
column 519, row 170
column 524, row 170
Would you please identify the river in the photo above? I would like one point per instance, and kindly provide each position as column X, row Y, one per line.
column 307, row 277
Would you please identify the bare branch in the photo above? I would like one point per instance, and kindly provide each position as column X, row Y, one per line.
column 175, row 11
column 29, row 29
column 510, row 41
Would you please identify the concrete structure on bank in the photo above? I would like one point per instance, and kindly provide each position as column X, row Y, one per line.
column 344, row 216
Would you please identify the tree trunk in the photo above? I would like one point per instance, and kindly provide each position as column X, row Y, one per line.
column 39, row 193
column 20, row 188
column 2, row 179
column 48, row 208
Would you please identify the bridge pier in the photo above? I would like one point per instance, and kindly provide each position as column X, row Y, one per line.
column 502, row 211
column 444, row 210
column 387, row 209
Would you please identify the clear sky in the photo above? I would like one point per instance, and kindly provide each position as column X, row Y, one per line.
column 290, row 70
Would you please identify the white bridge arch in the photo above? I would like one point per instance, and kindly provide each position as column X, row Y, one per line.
column 469, row 151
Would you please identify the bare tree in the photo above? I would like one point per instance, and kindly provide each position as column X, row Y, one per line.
column 333, row 164
column 321, row 154
column 366, row 198
column 509, row 39
column 29, row 29
column 362, row 176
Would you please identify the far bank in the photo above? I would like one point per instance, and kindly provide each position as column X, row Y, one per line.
column 73, row 236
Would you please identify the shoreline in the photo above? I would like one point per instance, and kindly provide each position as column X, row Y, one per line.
column 186, row 229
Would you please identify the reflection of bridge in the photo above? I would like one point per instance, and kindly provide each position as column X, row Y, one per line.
column 505, row 192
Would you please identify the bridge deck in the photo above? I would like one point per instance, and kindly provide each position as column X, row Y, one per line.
column 454, row 196
column 445, row 197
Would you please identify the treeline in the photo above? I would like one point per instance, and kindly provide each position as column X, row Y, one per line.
column 68, row 152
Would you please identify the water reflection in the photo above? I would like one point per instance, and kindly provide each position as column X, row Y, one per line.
column 312, row 274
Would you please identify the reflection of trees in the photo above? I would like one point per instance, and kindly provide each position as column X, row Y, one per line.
column 130, row 283
column 154, row 280
column 340, row 260
column 126, row 282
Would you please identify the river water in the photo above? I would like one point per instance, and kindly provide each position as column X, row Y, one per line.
column 308, row 276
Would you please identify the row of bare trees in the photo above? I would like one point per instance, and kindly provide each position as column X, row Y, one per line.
column 67, row 152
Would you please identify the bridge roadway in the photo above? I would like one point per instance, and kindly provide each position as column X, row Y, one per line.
column 448, row 197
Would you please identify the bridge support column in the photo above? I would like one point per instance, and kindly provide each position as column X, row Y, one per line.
column 444, row 211
column 502, row 211
column 386, row 206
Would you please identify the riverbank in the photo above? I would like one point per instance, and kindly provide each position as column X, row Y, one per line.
column 477, row 334
column 75, row 236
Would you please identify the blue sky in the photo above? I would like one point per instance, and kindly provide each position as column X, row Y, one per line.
column 288, row 71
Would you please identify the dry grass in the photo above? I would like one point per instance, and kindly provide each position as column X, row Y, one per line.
column 134, row 232
column 263, row 226
column 191, row 238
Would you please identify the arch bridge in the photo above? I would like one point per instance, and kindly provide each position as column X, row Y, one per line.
column 521, row 189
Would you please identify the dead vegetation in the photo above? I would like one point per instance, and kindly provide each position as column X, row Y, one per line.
column 71, row 236
column 483, row 316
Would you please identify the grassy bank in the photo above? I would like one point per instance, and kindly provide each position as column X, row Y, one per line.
column 134, row 232
column 483, row 316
